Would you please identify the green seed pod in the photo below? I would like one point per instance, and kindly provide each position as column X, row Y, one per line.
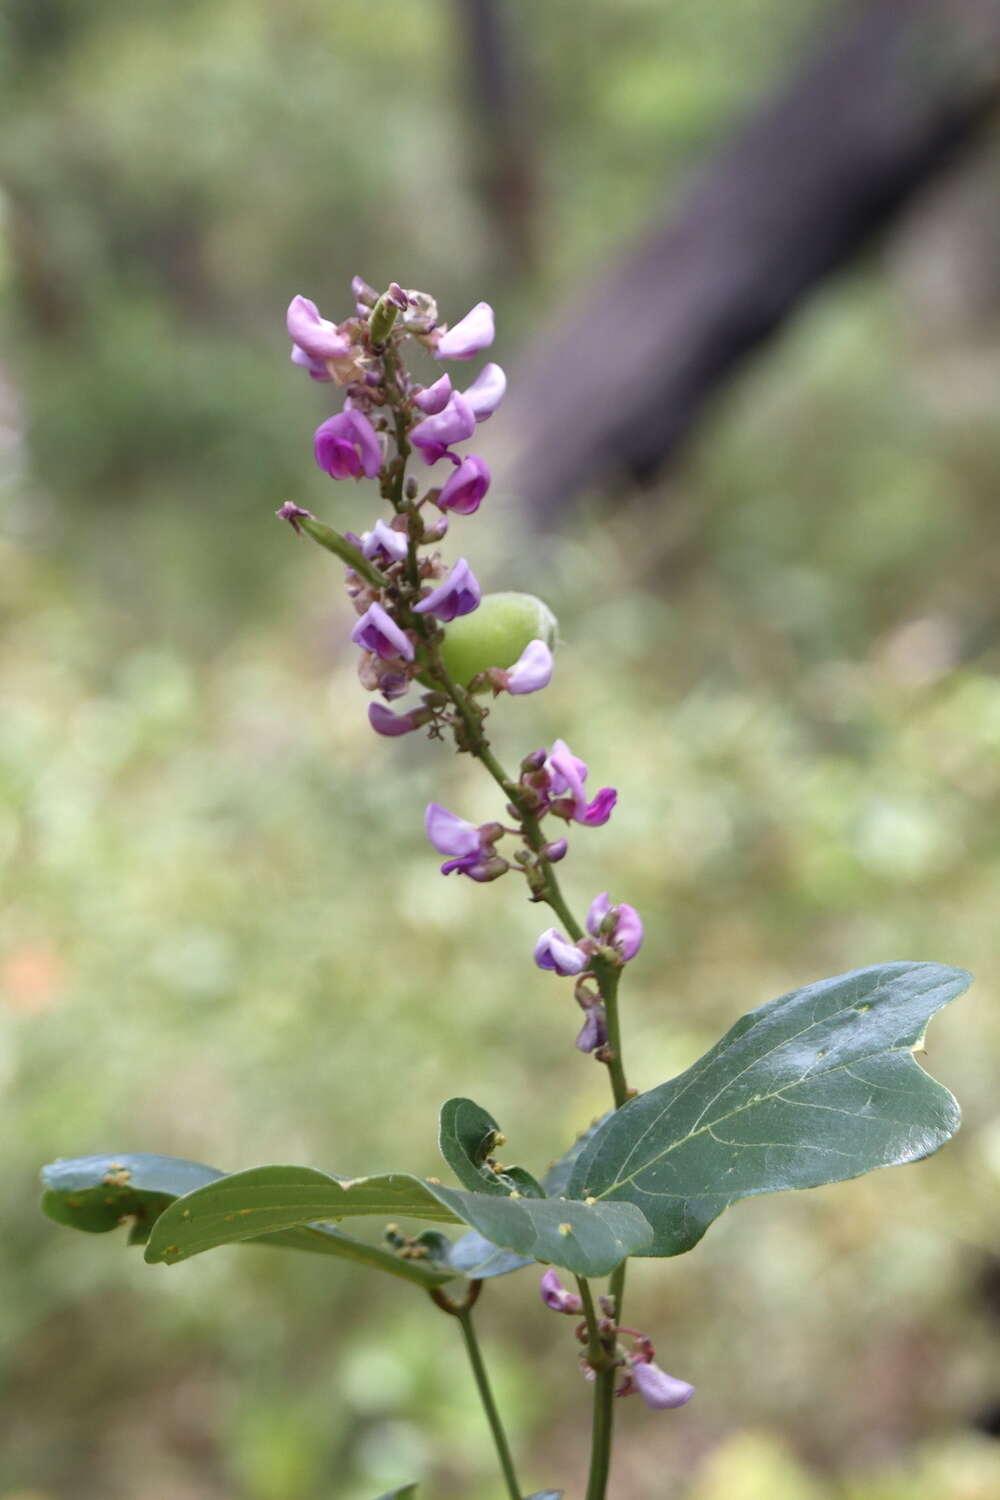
column 495, row 634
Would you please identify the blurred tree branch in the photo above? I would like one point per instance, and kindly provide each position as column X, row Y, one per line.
column 886, row 100
column 501, row 148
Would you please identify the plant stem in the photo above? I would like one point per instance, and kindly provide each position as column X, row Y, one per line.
column 489, row 1405
column 601, row 1433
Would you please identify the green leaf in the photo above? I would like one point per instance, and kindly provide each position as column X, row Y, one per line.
column 818, row 1086
column 556, row 1180
column 468, row 1136
column 95, row 1193
column 587, row 1240
column 406, row 1493
column 478, row 1258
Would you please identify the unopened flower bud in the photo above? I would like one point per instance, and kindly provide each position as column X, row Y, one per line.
column 382, row 318
column 555, row 851
column 533, row 762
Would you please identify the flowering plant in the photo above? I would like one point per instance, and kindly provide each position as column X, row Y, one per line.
column 818, row 1086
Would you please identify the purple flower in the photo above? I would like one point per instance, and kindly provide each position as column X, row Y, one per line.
column 384, row 721
column 567, row 774
column 382, row 544
column 552, row 951
column 486, row 392
column 471, row 847
column 315, row 338
column 464, row 490
column 594, row 1031
column 452, row 424
column 620, row 926
column 378, row 632
column 434, row 398
column 531, row 671
column 346, row 446
column 555, row 1295
column 658, row 1389
column 469, row 337
column 458, row 595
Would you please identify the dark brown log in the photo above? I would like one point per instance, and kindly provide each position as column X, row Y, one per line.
column 621, row 379
column 499, row 144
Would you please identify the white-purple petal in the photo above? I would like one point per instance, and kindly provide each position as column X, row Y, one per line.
column 486, row 392
column 599, row 908
column 314, row 335
column 382, row 543
column 376, row 631
column 465, row 487
column 658, row 1389
column 450, row 834
column 553, row 952
column 459, row 594
column 452, row 424
column 532, row 670
column 470, row 335
column 434, row 398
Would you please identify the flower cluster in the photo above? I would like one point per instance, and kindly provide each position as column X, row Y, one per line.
column 640, row 1375
column 423, row 622
column 407, row 593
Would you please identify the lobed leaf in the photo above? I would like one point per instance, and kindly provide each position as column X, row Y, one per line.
column 815, row 1087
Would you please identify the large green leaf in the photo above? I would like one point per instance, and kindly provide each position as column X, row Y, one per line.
column 95, row 1193
column 818, row 1086
column 588, row 1240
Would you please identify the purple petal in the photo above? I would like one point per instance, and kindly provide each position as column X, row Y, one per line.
column 600, row 810
column 553, row 952
column 594, row 1031
column 452, row 424
column 658, row 1389
column 555, row 1295
column 317, row 367
column 434, row 398
column 383, row 544
column 568, row 773
column 314, row 335
column 384, row 721
column 599, row 908
column 464, row 490
column 532, row 670
column 367, row 441
column 450, row 834
column 346, row 446
column 377, row 631
column 628, row 931
column 470, row 336
column 486, row 392
column 458, row 595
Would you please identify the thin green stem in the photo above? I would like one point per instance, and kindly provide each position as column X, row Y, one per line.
column 489, row 1405
column 608, row 977
column 601, row 1357
column 601, row 1435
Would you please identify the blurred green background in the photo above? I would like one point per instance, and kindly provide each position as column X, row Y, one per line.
column 223, row 936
